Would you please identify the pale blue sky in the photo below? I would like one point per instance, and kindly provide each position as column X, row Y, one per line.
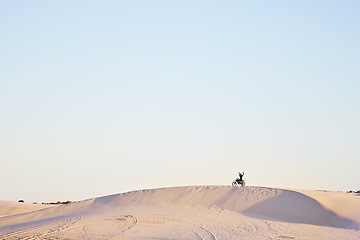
column 101, row 97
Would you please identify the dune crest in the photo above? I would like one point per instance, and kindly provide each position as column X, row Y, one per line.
column 283, row 205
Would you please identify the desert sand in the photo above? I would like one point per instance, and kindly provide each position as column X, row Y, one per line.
column 194, row 212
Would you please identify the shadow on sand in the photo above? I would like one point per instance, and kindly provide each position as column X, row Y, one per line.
column 296, row 207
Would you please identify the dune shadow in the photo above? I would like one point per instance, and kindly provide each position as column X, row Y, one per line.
column 105, row 199
column 296, row 207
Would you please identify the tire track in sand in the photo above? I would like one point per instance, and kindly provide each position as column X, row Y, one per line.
column 126, row 223
column 197, row 232
column 37, row 232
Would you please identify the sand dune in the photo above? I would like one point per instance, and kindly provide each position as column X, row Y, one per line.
column 12, row 208
column 196, row 212
column 344, row 204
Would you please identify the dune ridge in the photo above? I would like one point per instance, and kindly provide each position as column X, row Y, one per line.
column 283, row 205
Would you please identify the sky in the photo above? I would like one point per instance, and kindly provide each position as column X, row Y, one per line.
column 104, row 97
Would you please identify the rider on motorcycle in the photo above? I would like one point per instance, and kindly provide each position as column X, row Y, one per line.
column 239, row 181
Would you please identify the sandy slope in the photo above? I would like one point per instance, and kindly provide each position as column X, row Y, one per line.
column 11, row 208
column 344, row 204
column 204, row 212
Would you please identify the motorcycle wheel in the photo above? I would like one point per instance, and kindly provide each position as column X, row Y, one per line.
column 243, row 184
column 234, row 184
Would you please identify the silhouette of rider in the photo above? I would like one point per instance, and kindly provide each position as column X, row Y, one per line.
column 241, row 174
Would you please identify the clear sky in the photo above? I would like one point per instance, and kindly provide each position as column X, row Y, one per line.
column 102, row 97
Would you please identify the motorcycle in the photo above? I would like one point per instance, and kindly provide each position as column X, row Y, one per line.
column 238, row 182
